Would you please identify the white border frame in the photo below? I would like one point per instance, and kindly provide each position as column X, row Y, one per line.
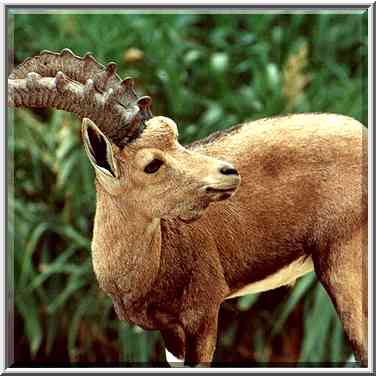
column 3, row 180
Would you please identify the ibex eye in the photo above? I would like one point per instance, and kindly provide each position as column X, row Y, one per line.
column 153, row 166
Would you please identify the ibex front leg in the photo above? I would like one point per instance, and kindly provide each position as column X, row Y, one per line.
column 200, row 342
column 174, row 339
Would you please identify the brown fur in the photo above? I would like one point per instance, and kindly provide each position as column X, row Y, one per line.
column 169, row 253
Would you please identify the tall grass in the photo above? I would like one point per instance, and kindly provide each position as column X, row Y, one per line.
column 207, row 72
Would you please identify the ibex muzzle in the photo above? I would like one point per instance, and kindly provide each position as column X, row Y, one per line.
column 175, row 231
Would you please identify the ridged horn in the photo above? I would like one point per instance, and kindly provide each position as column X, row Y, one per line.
column 83, row 86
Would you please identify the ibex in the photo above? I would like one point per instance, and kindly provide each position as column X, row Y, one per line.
column 179, row 229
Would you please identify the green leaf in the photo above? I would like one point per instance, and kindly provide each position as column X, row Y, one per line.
column 27, row 307
column 73, row 235
column 50, row 269
column 247, row 301
column 316, row 325
column 298, row 292
column 83, row 307
column 191, row 56
column 213, row 114
column 219, row 62
column 67, row 169
column 75, row 283
column 27, row 266
column 52, row 332
column 273, row 75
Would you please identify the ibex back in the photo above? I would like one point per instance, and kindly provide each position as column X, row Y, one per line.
column 180, row 229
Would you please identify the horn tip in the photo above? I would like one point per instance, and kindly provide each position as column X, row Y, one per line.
column 111, row 67
column 144, row 101
column 66, row 51
column 127, row 82
column 47, row 52
column 88, row 56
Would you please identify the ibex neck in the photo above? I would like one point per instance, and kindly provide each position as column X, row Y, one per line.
column 126, row 246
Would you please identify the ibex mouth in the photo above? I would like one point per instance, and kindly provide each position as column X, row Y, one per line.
column 220, row 190
column 220, row 194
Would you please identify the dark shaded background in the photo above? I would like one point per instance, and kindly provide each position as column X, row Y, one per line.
column 207, row 72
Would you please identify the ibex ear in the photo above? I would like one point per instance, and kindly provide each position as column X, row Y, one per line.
column 99, row 150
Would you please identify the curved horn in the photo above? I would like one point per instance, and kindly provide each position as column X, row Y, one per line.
column 83, row 86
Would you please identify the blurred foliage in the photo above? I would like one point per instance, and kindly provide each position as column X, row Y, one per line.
column 207, row 72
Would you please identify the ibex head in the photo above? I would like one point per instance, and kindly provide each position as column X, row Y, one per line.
column 135, row 156
column 156, row 173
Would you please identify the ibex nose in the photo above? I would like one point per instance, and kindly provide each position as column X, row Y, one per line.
column 228, row 170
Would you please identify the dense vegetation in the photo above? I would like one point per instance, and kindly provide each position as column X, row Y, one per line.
column 207, row 72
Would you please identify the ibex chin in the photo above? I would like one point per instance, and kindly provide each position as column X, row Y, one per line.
column 180, row 229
